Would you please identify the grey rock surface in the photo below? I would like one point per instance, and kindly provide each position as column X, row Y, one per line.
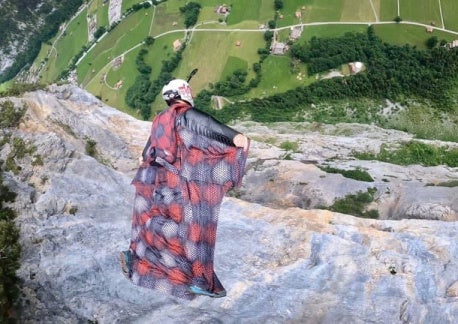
column 279, row 263
column 280, row 178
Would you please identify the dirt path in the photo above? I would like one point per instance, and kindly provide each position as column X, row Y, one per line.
column 373, row 9
column 442, row 17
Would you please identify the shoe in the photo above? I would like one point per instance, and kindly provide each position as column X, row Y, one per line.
column 125, row 260
column 199, row 291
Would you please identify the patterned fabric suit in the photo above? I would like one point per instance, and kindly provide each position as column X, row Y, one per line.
column 178, row 194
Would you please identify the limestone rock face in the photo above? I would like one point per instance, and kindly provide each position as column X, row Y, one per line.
column 281, row 178
column 279, row 263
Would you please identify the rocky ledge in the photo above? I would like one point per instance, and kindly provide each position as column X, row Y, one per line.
column 279, row 263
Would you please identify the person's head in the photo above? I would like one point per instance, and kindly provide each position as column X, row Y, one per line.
column 176, row 90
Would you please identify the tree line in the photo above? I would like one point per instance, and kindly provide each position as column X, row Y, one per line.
column 143, row 92
column 391, row 72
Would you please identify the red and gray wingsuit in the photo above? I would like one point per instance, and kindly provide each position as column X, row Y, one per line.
column 189, row 165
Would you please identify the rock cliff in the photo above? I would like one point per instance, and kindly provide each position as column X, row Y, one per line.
column 279, row 263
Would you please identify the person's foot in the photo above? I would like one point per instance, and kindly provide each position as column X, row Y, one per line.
column 199, row 291
column 126, row 263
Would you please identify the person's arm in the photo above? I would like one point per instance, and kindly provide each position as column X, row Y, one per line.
column 143, row 158
column 204, row 124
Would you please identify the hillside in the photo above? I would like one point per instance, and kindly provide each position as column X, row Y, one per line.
column 106, row 65
column 289, row 264
column 24, row 26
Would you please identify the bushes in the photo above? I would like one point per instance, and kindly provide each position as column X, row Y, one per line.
column 9, row 234
column 414, row 152
column 356, row 204
column 10, row 116
column 289, row 146
column 91, row 147
column 356, row 174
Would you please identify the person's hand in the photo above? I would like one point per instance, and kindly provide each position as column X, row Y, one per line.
column 241, row 140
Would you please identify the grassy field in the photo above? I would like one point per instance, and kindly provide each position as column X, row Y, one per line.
column 115, row 98
column 6, row 85
column 127, row 34
column 357, row 10
column 279, row 76
column 233, row 63
column 126, row 4
column 260, row 11
column 97, row 7
column 67, row 47
column 323, row 10
column 207, row 12
column 426, row 13
column 399, row 34
column 127, row 72
column 450, row 13
column 288, row 12
column 388, row 10
column 330, row 31
column 221, row 45
column 166, row 15
column 161, row 50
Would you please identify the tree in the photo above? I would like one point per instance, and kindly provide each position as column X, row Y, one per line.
column 191, row 13
column 268, row 35
column 278, row 4
column 432, row 42
column 272, row 24
column 397, row 19
column 99, row 32
column 149, row 40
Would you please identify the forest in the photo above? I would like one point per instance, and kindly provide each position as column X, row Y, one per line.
column 392, row 72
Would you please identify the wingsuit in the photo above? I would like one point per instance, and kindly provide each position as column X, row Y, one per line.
column 189, row 164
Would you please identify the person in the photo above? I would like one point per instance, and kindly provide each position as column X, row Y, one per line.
column 189, row 163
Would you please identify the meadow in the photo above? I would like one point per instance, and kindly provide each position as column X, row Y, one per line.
column 130, row 32
column 126, row 4
column 167, row 15
column 400, row 34
column 67, row 46
column 222, row 46
column 278, row 75
column 260, row 11
column 96, row 7
column 323, row 10
column 426, row 13
column 357, row 10
column 388, row 10
column 329, row 31
column 112, row 97
column 450, row 13
column 127, row 72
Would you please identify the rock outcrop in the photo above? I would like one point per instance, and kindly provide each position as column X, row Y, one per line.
column 279, row 263
column 281, row 178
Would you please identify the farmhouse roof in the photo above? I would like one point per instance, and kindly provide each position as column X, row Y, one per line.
column 177, row 45
column 278, row 48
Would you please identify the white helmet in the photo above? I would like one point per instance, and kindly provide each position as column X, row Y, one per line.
column 177, row 89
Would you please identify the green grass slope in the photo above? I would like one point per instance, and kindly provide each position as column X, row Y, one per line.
column 130, row 32
column 66, row 47
column 450, row 13
column 427, row 12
